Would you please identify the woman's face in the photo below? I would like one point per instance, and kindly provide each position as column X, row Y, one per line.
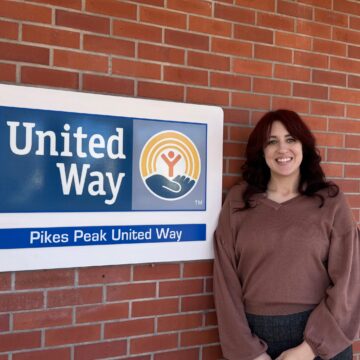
column 283, row 153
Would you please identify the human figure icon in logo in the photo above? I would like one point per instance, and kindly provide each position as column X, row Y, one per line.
column 170, row 165
column 165, row 184
column 171, row 161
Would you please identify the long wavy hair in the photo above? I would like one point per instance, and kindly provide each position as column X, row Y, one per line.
column 257, row 173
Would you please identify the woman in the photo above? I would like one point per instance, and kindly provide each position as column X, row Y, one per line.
column 287, row 253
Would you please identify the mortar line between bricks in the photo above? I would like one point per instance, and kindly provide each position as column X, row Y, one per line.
column 81, row 80
column 53, row 16
column 111, row 31
column 110, row 67
column 11, row 322
column 42, row 339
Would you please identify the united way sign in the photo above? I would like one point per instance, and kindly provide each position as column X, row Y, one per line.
column 96, row 180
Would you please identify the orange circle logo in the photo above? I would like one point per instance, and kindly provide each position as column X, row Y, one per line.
column 170, row 165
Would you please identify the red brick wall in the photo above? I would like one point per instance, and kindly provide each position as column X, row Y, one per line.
column 244, row 55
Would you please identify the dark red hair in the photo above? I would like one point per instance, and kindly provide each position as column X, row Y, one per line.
column 256, row 172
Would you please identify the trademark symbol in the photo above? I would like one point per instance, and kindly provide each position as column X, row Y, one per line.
column 198, row 202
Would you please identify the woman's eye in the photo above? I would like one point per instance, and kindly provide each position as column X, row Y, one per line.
column 291, row 140
column 272, row 142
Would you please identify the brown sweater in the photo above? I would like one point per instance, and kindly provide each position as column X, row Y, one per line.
column 278, row 259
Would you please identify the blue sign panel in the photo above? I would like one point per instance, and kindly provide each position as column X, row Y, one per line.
column 100, row 235
column 58, row 161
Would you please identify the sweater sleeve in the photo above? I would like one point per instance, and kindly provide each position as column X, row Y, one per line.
column 236, row 339
column 334, row 323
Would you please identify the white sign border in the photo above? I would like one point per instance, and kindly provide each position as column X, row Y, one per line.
column 96, row 255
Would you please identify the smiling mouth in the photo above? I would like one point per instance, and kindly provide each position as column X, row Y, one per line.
column 284, row 160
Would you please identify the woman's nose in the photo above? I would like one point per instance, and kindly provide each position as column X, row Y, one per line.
column 282, row 146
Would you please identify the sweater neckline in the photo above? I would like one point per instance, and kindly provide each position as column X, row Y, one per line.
column 277, row 205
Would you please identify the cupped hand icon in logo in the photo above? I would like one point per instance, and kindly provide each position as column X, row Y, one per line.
column 170, row 165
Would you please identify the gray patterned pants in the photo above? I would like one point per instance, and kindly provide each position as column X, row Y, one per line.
column 284, row 332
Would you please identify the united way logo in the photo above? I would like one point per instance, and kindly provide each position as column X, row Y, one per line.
column 170, row 165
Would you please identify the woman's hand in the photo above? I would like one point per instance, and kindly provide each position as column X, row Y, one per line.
column 263, row 356
column 301, row 352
